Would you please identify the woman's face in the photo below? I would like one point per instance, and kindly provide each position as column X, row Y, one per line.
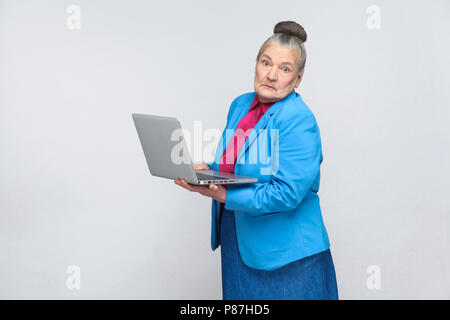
column 276, row 73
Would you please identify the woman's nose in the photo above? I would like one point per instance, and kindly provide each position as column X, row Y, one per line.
column 272, row 75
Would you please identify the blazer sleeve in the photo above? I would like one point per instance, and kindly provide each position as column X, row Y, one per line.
column 299, row 159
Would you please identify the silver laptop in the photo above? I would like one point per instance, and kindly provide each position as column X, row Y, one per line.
column 166, row 158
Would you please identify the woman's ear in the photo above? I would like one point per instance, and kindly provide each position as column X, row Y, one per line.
column 299, row 79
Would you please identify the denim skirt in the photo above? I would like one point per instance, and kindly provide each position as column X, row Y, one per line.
column 310, row 278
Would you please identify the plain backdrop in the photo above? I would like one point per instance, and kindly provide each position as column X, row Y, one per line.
column 75, row 188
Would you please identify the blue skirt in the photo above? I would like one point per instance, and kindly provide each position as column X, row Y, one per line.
column 310, row 278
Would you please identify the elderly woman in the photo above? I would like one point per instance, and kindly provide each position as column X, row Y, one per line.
column 274, row 244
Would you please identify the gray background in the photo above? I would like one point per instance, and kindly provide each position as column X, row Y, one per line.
column 75, row 189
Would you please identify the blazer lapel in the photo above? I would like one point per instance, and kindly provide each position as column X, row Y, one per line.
column 230, row 129
column 260, row 125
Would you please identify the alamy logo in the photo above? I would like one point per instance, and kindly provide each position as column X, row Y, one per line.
column 373, row 282
column 262, row 144
column 374, row 18
column 73, row 281
column 73, row 21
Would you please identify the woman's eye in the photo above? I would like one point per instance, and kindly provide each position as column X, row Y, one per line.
column 285, row 69
column 265, row 62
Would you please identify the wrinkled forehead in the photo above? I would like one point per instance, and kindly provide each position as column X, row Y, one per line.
column 280, row 53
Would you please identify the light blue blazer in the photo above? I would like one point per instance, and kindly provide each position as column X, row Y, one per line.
column 278, row 219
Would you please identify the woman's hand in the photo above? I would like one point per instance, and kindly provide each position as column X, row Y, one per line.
column 217, row 192
column 200, row 166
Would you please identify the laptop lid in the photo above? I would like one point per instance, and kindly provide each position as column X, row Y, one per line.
column 164, row 147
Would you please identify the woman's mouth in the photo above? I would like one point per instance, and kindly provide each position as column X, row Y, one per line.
column 267, row 86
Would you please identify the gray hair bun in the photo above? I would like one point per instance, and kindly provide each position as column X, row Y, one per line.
column 291, row 28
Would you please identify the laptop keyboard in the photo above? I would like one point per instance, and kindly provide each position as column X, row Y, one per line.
column 202, row 176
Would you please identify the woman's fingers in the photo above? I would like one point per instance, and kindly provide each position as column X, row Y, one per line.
column 214, row 191
column 190, row 187
column 183, row 183
column 200, row 166
column 213, row 187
